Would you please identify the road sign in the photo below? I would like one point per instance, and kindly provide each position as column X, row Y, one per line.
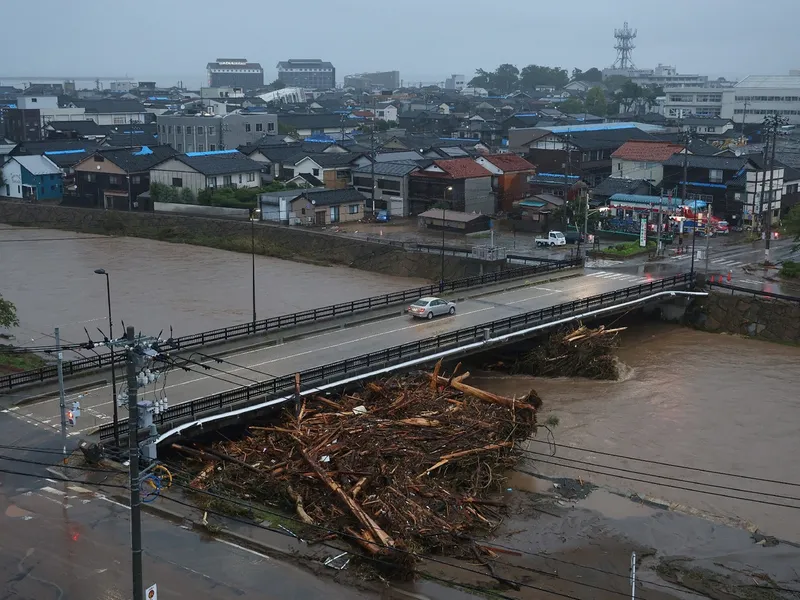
column 643, row 232
column 151, row 593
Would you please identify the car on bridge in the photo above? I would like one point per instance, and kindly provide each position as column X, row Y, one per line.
column 429, row 307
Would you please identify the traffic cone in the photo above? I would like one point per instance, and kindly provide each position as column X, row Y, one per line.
column 730, row 273
column 381, row 232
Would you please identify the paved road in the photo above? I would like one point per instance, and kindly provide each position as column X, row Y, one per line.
column 250, row 366
column 64, row 541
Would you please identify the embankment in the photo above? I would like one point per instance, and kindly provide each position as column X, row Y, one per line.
column 289, row 243
column 763, row 318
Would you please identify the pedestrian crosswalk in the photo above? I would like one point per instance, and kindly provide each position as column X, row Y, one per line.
column 600, row 263
column 718, row 262
column 630, row 277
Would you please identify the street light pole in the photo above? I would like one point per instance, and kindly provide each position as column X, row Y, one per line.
column 113, row 366
column 449, row 188
column 253, row 214
column 688, row 138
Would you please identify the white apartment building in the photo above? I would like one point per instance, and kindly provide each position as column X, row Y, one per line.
column 756, row 96
column 698, row 101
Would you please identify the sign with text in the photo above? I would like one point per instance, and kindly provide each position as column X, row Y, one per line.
column 643, row 232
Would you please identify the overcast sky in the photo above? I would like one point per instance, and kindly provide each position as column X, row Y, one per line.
column 426, row 40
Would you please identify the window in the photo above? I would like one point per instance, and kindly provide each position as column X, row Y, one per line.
column 211, row 182
column 169, row 129
column 251, row 177
column 180, row 148
column 34, row 99
column 90, row 177
column 270, row 126
column 343, row 174
column 199, row 130
column 98, row 158
column 136, row 179
column 177, row 182
column 114, row 179
column 791, row 189
column 259, row 127
column 387, row 184
column 247, row 127
column 226, row 180
column 119, row 120
column 178, row 129
column 334, row 214
column 212, row 147
column 268, row 169
column 201, row 148
column 315, row 172
column 362, row 182
column 190, row 147
column 188, row 130
column 715, row 175
column 240, row 178
column 353, row 209
column 210, row 130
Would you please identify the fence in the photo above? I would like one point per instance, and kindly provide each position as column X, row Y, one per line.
column 284, row 385
column 243, row 330
column 751, row 292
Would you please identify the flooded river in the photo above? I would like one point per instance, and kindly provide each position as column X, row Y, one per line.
column 50, row 277
column 690, row 398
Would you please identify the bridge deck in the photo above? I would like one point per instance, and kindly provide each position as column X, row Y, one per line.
column 259, row 364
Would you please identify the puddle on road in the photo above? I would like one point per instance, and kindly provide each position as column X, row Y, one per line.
column 15, row 512
column 614, row 506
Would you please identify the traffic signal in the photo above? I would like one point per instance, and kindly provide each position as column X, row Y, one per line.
column 71, row 418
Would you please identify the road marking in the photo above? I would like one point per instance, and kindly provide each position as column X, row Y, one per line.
column 79, row 489
column 53, row 491
column 227, row 543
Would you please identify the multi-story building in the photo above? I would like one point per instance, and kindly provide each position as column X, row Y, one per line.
column 204, row 132
column 662, row 75
column 311, row 73
column 698, row 101
column 757, row 96
column 455, row 82
column 385, row 80
column 235, row 72
column 26, row 122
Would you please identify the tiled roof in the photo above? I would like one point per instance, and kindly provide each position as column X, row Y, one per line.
column 87, row 127
column 395, row 169
column 330, row 160
column 509, row 162
column 220, row 164
column 110, row 106
column 618, row 185
column 646, row 151
column 725, row 163
column 135, row 160
column 332, row 197
column 38, row 165
column 456, row 168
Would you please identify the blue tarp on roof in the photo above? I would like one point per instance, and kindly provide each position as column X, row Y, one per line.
column 533, row 203
column 211, row 152
column 55, row 152
column 561, row 175
column 143, row 152
column 640, row 200
column 720, row 186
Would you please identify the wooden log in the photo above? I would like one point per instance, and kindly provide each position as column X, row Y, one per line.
column 327, row 402
column 448, row 457
column 201, row 454
column 198, row 483
column 298, row 506
column 458, row 384
column 365, row 540
column 230, row 459
column 358, row 512
column 435, row 376
column 357, row 487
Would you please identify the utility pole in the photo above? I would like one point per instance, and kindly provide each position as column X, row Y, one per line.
column 585, row 225
column 744, row 115
column 774, row 121
column 567, row 169
column 633, row 575
column 688, row 139
column 61, row 399
column 372, row 152
column 133, row 459
column 659, row 247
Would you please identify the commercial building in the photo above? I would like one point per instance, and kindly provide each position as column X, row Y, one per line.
column 206, row 132
column 455, row 82
column 756, row 96
column 235, row 72
column 311, row 73
column 26, row 122
column 384, row 80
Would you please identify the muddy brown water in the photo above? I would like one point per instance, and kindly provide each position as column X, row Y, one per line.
column 49, row 275
column 690, row 398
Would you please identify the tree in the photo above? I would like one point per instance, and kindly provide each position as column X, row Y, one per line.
column 482, row 79
column 577, row 74
column 571, row 105
column 615, row 82
column 8, row 313
column 276, row 85
column 534, row 75
column 629, row 94
column 506, row 78
column 791, row 225
column 594, row 74
column 596, row 102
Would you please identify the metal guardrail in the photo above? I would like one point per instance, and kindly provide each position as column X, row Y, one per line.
column 195, row 340
column 284, row 385
column 752, row 292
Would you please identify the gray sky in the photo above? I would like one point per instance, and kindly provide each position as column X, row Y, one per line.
column 170, row 40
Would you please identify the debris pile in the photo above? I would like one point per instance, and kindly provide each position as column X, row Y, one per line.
column 412, row 462
column 581, row 352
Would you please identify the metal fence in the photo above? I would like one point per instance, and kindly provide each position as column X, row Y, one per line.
column 752, row 292
column 284, row 385
column 195, row 340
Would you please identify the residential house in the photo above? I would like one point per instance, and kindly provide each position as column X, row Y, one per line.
column 198, row 171
column 519, row 121
column 327, row 207
column 642, row 159
column 114, row 178
column 77, row 130
column 332, row 168
column 555, row 184
column 579, row 86
column 620, row 185
column 791, row 189
column 31, row 178
column 305, row 180
column 729, row 184
column 425, row 121
column 399, row 156
column 453, row 220
column 64, row 153
column 112, row 111
column 537, row 213
column 386, row 111
column 705, row 126
column 460, row 183
column 276, row 206
column 308, row 125
column 510, row 182
column 584, row 150
column 391, row 185
column 253, row 152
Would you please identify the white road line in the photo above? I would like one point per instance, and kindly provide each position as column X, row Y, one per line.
column 227, row 543
column 53, row 491
column 79, row 489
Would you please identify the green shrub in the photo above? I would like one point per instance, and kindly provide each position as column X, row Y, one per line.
column 186, row 196
column 790, row 269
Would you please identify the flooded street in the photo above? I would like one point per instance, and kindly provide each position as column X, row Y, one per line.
column 50, row 277
column 692, row 399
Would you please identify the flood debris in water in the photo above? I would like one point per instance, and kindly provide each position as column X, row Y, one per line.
column 412, row 463
column 574, row 352
column 725, row 584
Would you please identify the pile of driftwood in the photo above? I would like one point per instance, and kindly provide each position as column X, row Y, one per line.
column 412, row 462
column 581, row 352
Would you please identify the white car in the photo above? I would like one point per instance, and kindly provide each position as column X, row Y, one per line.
column 429, row 307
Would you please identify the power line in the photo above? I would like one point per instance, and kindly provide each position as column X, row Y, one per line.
column 105, row 485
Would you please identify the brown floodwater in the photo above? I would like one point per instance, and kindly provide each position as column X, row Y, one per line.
column 690, row 398
column 50, row 277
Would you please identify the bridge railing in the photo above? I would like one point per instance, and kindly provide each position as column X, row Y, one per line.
column 752, row 292
column 284, row 385
column 234, row 332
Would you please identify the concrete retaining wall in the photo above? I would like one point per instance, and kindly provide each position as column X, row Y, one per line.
column 201, row 211
column 767, row 319
column 290, row 243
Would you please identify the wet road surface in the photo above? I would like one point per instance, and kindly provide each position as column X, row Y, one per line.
column 249, row 366
column 50, row 277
